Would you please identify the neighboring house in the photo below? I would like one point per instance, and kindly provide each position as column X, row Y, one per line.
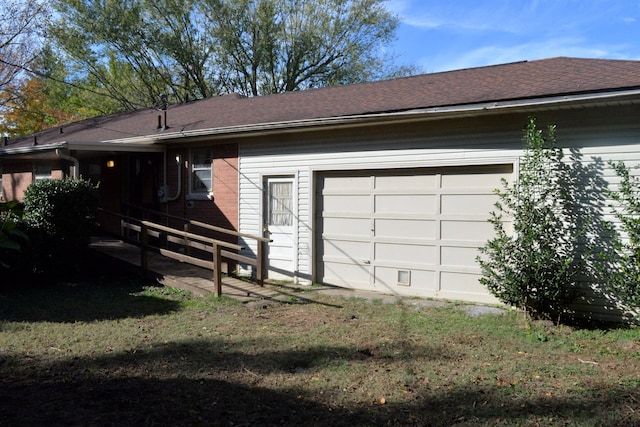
column 384, row 186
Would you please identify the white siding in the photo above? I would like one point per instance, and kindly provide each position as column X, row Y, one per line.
column 598, row 138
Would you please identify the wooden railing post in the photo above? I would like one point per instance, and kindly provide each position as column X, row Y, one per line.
column 187, row 246
column 144, row 256
column 217, row 270
column 261, row 264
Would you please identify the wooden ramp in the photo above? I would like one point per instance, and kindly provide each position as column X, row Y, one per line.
column 182, row 275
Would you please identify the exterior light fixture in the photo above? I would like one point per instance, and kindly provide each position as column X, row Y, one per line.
column 111, row 163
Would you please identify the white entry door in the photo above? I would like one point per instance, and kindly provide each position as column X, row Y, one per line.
column 279, row 223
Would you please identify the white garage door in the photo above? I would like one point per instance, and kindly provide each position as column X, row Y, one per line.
column 411, row 233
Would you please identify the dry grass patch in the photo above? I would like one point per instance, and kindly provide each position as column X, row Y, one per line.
column 114, row 351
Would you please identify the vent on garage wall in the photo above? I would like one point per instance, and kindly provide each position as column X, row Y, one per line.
column 404, row 278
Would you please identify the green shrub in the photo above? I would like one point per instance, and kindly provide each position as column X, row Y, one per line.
column 623, row 262
column 61, row 216
column 535, row 265
column 12, row 239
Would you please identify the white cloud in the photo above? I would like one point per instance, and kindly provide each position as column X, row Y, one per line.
column 494, row 54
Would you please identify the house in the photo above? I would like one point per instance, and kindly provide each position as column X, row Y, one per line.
column 383, row 186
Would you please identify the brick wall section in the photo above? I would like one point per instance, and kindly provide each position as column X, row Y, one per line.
column 18, row 182
column 223, row 210
column 225, row 182
column 18, row 176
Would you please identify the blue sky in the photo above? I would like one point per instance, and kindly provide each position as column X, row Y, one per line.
column 442, row 35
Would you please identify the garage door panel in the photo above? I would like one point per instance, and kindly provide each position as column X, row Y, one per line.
column 463, row 283
column 457, row 256
column 420, row 254
column 406, row 203
column 466, row 231
column 346, row 183
column 347, row 249
column 463, row 204
column 347, row 275
column 355, row 227
column 473, row 180
column 406, row 228
column 350, row 203
column 387, row 277
column 404, row 182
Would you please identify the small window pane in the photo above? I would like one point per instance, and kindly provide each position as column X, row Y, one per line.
column 201, row 159
column 202, row 180
column 201, row 164
column 41, row 171
column 281, row 203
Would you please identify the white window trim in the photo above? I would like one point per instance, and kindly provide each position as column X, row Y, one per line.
column 203, row 194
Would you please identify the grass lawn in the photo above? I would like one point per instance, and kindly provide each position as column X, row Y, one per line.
column 116, row 351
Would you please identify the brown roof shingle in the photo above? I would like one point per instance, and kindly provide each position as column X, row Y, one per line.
column 515, row 81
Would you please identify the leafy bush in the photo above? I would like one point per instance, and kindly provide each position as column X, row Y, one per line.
column 61, row 215
column 624, row 261
column 12, row 238
column 535, row 266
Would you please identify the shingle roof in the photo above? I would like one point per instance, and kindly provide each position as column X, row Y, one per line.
column 515, row 81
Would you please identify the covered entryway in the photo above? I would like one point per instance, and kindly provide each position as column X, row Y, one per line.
column 413, row 232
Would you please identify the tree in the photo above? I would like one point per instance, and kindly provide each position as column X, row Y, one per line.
column 272, row 46
column 20, row 26
column 104, row 41
column 198, row 48
column 44, row 99
column 536, row 266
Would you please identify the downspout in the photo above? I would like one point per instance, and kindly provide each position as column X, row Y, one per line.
column 75, row 161
column 166, row 185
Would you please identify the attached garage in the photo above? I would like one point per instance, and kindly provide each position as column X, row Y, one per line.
column 413, row 232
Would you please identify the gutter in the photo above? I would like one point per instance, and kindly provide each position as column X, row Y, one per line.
column 32, row 149
column 123, row 146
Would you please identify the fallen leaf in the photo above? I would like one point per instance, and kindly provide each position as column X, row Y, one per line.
column 383, row 400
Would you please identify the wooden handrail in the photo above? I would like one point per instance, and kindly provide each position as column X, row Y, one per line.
column 261, row 251
column 188, row 240
column 232, row 232
column 200, row 224
column 193, row 236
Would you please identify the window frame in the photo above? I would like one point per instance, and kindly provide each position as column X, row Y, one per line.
column 280, row 206
column 194, row 168
column 39, row 175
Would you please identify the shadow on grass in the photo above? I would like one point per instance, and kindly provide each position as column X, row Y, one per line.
column 195, row 386
column 103, row 297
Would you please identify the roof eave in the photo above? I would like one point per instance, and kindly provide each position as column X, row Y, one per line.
column 156, row 143
column 96, row 146
column 432, row 113
column 31, row 150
